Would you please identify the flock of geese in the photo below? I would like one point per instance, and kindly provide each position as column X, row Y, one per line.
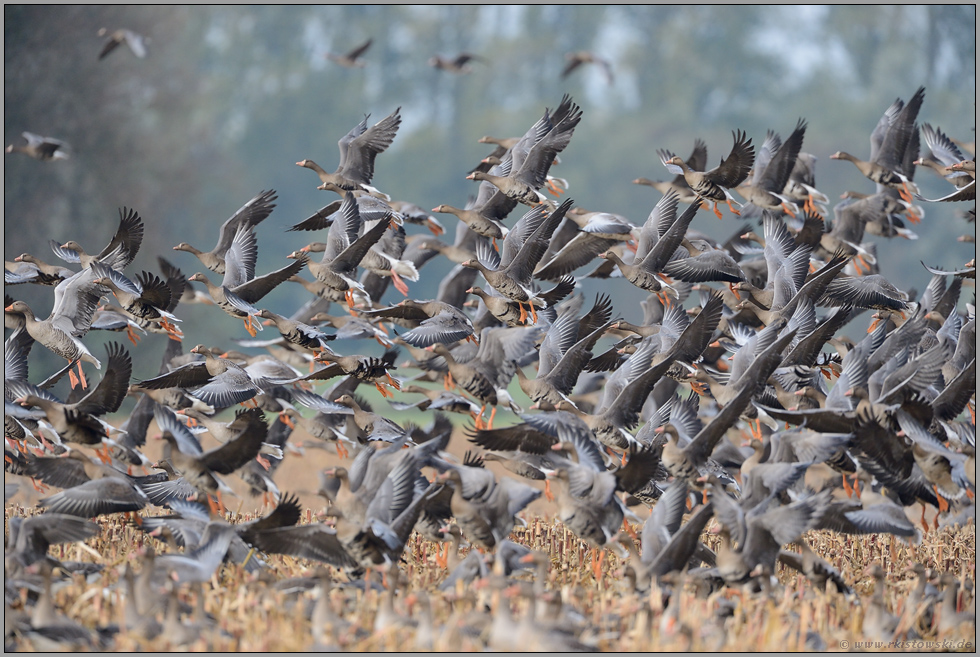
column 737, row 398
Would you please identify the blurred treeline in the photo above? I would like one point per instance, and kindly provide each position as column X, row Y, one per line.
column 229, row 98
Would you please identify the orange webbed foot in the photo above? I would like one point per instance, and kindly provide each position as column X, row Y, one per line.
column 435, row 228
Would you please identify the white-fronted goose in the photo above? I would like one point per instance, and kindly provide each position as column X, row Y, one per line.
column 79, row 422
column 684, row 461
column 889, row 142
column 704, row 263
column 358, row 150
column 199, row 468
column 44, row 149
column 298, row 333
column 216, row 381
column 120, row 251
column 475, row 220
column 147, row 299
column 801, row 187
column 772, row 171
column 250, row 215
column 587, row 502
column 943, row 157
column 580, row 57
column 697, row 161
column 112, row 492
column 712, row 186
column 345, row 250
column 565, row 352
column 761, row 532
column 369, row 369
column 75, row 302
column 457, row 64
column 241, row 288
column 30, row 538
column 134, row 41
column 485, row 508
column 352, row 58
column 651, row 258
column 513, row 279
column 523, row 184
column 27, row 268
column 431, row 321
column 374, row 426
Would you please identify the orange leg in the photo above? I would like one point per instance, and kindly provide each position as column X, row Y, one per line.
column 628, row 528
column 399, row 283
column 248, row 325
column 523, row 318
column 384, row 392
column 597, row 558
column 447, row 381
column 788, row 211
column 922, row 520
column 80, row 379
column 441, row 561
column 847, row 486
column 731, row 286
column 943, row 504
column 493, row 412
column 349, row 296
column 264, row 462
column 534, row 314
column 734, row 211
column 103, row 454
column 905, row 193
column 131, row 334
column 547, row 491
column 341, row 450
column 394, row 384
